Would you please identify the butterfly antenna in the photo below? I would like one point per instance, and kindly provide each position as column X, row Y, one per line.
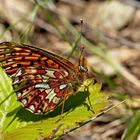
column 81, row 65
column 81, row 31
column 81, row 47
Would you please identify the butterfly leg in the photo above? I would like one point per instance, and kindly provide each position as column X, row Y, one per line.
column 63, row 105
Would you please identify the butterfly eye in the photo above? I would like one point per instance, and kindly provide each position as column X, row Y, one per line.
column 82, row 69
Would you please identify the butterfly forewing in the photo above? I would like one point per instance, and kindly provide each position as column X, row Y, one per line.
column 40, row 78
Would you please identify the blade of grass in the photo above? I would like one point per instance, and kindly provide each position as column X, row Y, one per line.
column 106, row 78
column 133, row 129
column 74, row 48
column 50, row 19
column 27, row 31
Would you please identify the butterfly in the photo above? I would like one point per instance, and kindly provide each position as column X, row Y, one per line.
column 42, row 80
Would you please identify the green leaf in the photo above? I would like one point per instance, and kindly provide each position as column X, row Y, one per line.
column 133, row 129
column 79, row 108
column 8, row 103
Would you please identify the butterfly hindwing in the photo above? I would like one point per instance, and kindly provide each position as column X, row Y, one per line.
column 39, row 92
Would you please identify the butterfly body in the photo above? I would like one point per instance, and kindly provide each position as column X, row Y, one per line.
column 41, row 79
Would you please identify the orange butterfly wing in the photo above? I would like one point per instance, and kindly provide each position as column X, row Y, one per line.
column 41, row 79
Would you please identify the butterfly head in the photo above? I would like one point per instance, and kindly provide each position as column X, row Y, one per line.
column 82, row 66
column 82, row 62
column 82, row 69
